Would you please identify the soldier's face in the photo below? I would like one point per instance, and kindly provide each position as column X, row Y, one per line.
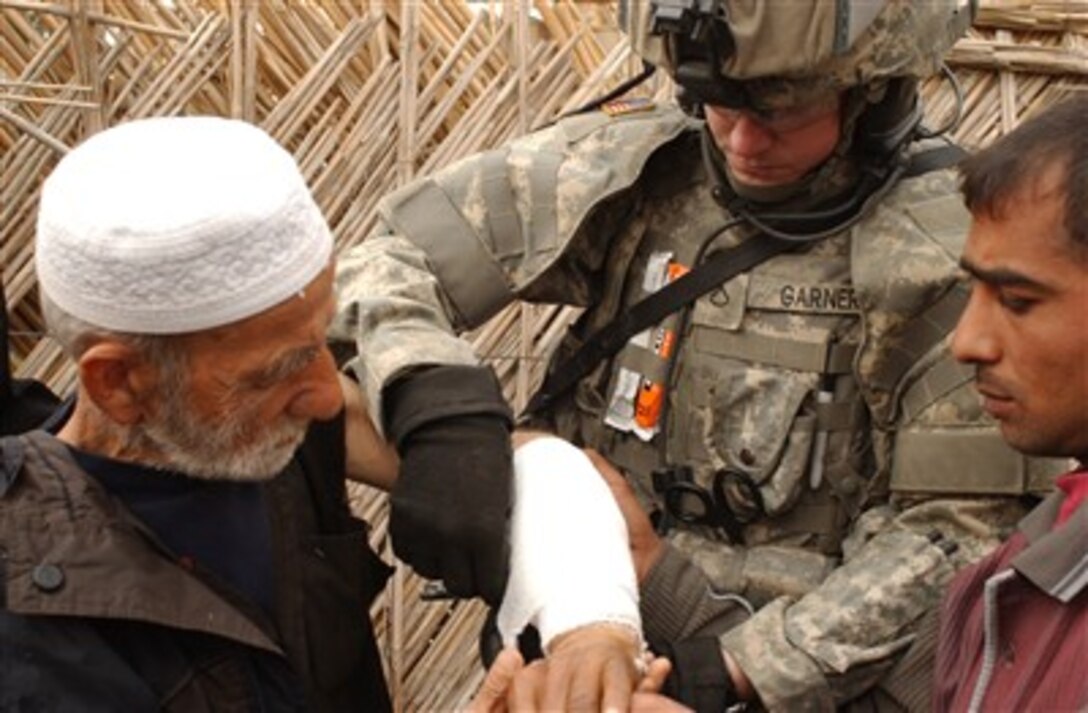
column 1025, row 327
column 779, row 150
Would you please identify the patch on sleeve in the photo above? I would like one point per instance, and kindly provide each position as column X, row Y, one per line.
column 629, row 105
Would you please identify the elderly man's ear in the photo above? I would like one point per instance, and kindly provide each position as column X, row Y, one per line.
column 118, row 379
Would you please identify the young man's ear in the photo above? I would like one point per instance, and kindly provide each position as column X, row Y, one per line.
column 118, row 380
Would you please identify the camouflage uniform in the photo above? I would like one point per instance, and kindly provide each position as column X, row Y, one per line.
column 838, row 347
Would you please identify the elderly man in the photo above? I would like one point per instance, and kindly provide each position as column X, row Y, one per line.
column 1014, row 630
column 183, row 541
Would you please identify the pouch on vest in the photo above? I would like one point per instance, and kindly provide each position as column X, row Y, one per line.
column 638, row 390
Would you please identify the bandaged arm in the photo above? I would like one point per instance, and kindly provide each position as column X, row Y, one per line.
column 570, row 565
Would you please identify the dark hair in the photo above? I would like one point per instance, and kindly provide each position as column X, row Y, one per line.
column 1056, row 137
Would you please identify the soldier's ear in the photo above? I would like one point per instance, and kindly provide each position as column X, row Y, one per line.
column 117, row 378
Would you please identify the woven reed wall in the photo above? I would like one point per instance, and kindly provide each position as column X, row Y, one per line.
column 368, row 94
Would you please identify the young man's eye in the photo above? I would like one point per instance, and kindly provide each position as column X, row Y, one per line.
column 1017, row 304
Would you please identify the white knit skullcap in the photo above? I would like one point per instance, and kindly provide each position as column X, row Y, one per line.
column 172, row 225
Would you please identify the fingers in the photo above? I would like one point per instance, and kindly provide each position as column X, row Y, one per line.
column 618, row 684
column 656, row 703
column 492, row 695
column 656, row 674
column 527, row 689
column 559, row 684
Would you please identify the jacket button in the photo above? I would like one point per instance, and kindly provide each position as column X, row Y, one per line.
column 47, row 577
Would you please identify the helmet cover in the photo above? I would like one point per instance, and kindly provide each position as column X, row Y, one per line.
column 777, row 54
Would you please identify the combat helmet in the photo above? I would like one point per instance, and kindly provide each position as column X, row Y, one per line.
column 766, row 55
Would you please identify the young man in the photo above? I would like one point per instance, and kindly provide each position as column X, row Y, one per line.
column 1014, row 629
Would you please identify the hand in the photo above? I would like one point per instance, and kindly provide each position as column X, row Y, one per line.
column 656, row 703
column 588, row 669
column 526, row 690
column 450, row 505
column 492, row 695
column 646, row 547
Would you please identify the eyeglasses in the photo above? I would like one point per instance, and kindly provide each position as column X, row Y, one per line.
column 733, row 501
column 783, row 121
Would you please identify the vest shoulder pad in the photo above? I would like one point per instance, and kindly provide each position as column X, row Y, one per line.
column 540, row 185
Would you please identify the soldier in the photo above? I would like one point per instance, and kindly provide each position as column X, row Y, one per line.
column 769, row 286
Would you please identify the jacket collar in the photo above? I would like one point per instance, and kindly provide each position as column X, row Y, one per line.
column 72, row 550
column 1056, row 561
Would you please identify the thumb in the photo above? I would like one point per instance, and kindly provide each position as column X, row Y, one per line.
column 656, row 674
column 492, row 694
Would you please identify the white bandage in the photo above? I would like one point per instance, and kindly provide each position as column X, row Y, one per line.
column 570, row 562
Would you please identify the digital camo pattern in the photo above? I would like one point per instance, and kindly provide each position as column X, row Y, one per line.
column 568, row 169
column 390, row 308
column 796, row 53
column 862, row 614
column 760, row 573
column 767, row 332
column 907, row 261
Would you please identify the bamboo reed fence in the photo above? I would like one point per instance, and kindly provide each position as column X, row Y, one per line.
column 368, row 94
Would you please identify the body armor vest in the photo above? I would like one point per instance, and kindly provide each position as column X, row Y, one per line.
column 762, row 383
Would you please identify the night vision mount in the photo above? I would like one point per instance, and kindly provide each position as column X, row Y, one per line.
column 697, row 43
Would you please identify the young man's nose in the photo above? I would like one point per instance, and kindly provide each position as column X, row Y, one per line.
column 973, row 342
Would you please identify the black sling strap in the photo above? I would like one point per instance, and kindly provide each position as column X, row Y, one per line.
column 718, row 269
column 608, row 340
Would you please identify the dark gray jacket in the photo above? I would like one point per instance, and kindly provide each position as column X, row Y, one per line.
column 96, row 615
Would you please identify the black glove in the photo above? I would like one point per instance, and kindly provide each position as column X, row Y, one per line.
column 698, row 678
column 450, row 506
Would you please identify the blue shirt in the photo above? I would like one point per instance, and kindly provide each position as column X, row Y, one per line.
column 221, row 525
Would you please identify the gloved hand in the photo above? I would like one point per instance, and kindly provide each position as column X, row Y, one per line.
column 450, row 506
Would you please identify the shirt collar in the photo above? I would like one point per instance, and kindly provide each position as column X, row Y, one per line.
column 1056, row 560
